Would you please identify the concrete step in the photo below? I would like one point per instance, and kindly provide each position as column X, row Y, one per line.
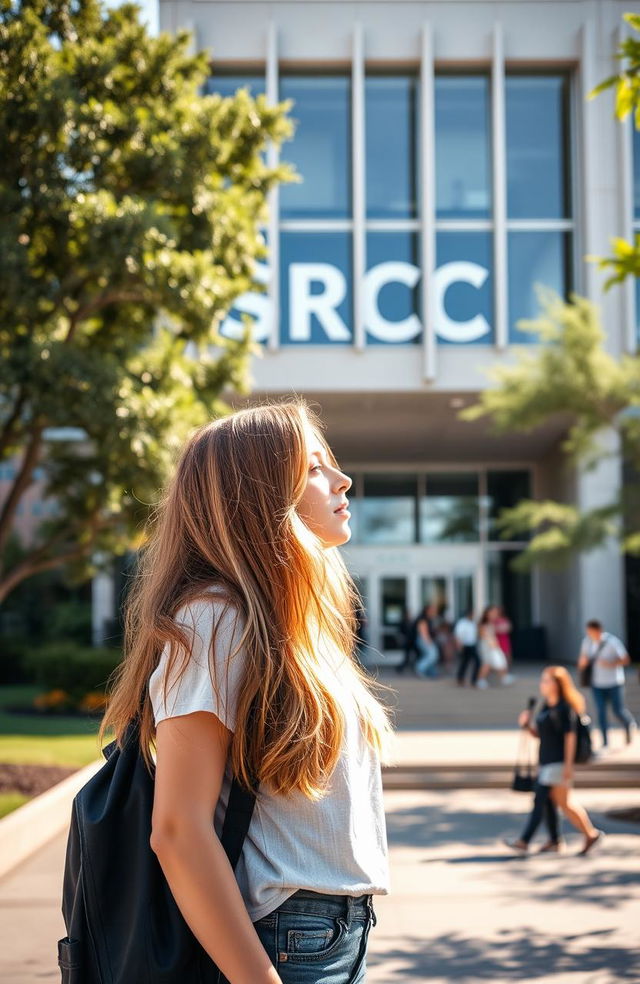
column 474, row 776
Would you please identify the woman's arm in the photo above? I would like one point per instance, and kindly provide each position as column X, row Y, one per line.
column 524, row 721
column 191, row 752
column 423, row 629
column 570, row 740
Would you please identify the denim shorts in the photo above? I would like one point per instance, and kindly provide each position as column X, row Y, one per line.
column 314, row 938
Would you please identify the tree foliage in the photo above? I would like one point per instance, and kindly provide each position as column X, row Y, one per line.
column 569, row 376
column 130, row 220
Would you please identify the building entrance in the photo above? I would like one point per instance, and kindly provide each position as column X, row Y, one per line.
column 399, row 584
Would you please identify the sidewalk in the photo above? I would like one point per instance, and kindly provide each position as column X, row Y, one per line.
column 463, row 909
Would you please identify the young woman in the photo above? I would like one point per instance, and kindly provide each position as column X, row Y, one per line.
column 492, row 658
column 555, row 726
column 241, row 621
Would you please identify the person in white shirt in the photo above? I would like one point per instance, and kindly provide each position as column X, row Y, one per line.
column 608, row 656
column 466, row 636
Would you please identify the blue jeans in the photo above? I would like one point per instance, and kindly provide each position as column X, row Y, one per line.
column 615, row 696
column 313, row 938
column 427, row 661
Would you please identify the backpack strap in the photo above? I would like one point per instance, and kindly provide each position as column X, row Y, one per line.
column 236, row 820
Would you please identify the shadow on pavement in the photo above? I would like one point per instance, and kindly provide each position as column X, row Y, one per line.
column 519, row 954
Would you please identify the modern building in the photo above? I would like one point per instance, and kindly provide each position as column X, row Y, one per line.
column 450, row 161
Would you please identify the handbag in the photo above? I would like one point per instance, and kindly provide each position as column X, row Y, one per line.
column 123, row 924
column 524, row 773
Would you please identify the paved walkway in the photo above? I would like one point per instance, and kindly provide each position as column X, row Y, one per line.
column 461, row 908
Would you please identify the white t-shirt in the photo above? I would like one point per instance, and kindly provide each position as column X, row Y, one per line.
column 466, row 631
column 335, row 845
column 611, row 649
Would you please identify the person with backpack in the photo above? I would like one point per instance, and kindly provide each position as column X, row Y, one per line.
column 557, row 727
column 602, row 660
column 241, row 622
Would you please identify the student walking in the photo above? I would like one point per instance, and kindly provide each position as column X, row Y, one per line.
column 466, row 636
column 241, row 621
column 408, row 632
column 428, row 652
column 607, row 657
column 492, row 658
column 556, row 727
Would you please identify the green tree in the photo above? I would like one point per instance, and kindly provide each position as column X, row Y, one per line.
column 570, row 377
column 131, row 209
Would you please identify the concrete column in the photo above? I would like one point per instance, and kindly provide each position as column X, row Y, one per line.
column 102, row 605
column 601, row 571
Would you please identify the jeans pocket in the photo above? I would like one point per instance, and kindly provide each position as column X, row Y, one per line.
column 310, row 936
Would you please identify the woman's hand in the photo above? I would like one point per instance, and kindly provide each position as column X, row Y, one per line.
column 567, row 774
column 523, row 719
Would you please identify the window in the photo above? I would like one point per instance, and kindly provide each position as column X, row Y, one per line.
column 391, row 131
column 316, row 287
column 387, row 513
column 449, row 512
column 463, row 282
column 464, row 286
column 505, row 489
column 392, row 291
column 508, row 588
column 539, row 208
column 535, row 257
column 320, row 149
column 463, row 170
column 228, row 85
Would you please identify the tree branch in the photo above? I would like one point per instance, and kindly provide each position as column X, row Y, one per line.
column 23, row 480
column 9, row 428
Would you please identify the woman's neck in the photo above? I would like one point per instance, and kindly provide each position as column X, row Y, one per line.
column 552, row 701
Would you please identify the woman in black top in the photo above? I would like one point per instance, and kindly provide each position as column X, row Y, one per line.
column 555, row 726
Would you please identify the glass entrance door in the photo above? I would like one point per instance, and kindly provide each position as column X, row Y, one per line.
column 393, row 601
column 454, row 593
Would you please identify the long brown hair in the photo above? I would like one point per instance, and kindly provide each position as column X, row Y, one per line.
column 228, row 520
column 567, row 688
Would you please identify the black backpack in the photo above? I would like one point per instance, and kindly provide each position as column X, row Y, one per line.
column 584, row 748
column 123, row 924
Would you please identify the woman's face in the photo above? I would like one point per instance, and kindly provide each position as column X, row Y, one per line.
column 324, row 495
column 548, row 686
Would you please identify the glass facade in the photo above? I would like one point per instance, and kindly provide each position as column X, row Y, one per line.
column 539, row 200
column 317, row 215
column 449, row 509
column 433, row 507
column 320, row 149
column 391, row 133
column 463, row 136
column 387, row 512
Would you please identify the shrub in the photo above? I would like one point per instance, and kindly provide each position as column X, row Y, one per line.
column 77, row 670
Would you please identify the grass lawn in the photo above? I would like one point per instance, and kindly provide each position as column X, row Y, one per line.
column 47, row 739
column 11, row 801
